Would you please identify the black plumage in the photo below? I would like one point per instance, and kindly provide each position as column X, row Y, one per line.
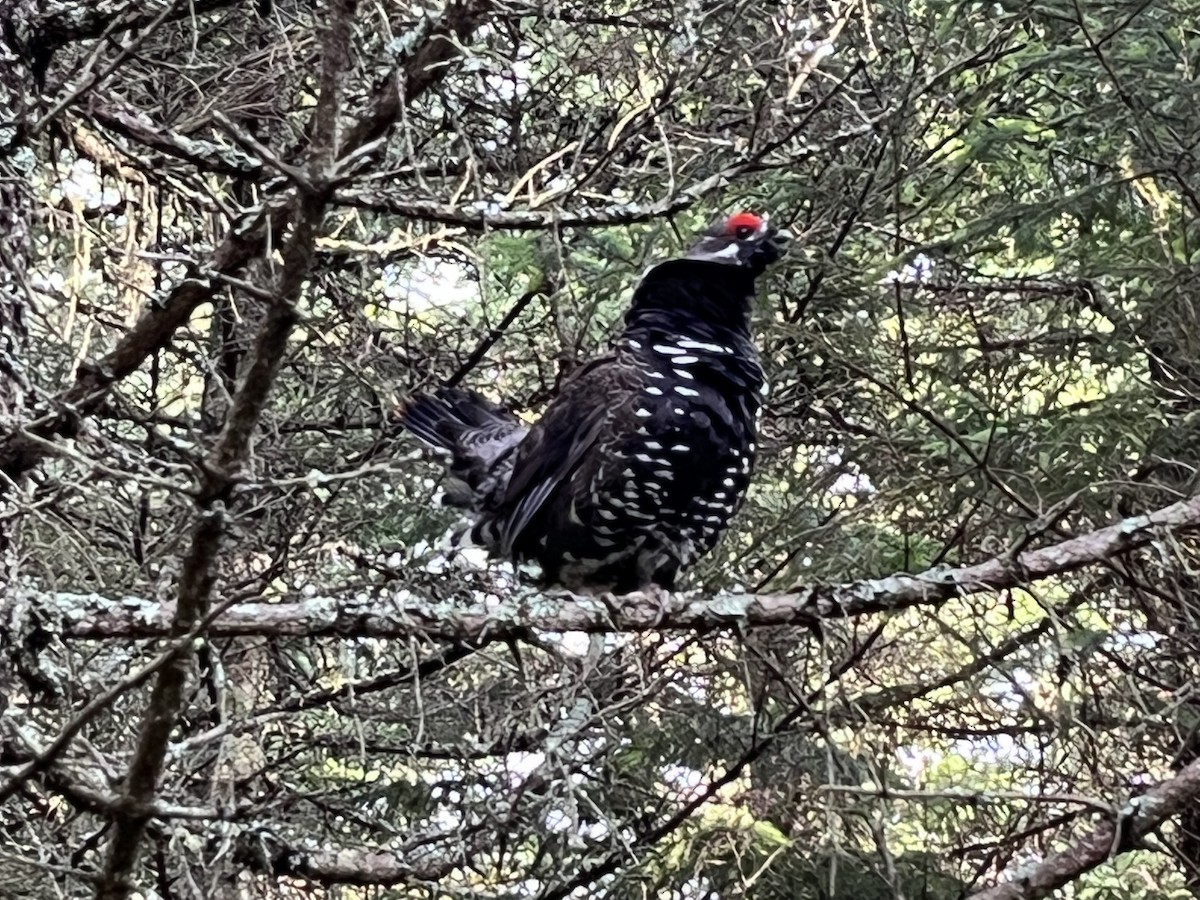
column 640, row 462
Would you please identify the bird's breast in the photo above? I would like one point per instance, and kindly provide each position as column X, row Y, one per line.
column 682, row 463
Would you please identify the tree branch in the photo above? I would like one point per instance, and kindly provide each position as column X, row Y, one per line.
column 206, row 156
column 486, row 216
column 153, row 331
column 482, row 216
column 395, row 612
column 66, row 23
column 433, row 44
column 350, row 865
column 542, row 287
column 196, row 580
column 1122, row 832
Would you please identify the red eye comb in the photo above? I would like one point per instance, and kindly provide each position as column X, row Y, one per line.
column 743, row 220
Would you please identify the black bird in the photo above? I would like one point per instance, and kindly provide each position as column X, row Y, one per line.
column 638, row 465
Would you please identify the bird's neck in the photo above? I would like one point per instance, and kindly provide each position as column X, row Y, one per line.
column 655, row 325
column 704, row 301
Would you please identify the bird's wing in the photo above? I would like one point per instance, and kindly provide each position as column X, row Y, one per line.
column 594, row 401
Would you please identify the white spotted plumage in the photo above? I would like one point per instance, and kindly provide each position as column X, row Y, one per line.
column 637, row 465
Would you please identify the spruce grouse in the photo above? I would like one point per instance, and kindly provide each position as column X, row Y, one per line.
column 640, row 462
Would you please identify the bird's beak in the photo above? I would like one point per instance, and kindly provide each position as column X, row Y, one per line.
column 782, row 236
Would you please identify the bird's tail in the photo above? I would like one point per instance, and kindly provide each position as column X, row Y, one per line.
column 440, row 419
column 478, row 436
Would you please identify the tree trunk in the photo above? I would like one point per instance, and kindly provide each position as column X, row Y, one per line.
column 17, row 97
column 18, row 103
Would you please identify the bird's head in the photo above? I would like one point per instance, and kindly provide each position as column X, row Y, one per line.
column 743, row 239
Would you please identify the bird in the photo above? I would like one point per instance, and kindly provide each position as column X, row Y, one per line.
column 639, row 463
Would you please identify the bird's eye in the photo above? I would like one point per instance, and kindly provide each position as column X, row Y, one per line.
column 743, row 232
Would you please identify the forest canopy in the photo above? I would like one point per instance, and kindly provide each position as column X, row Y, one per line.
column 947, row 649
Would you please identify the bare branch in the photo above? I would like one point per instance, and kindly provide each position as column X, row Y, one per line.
column 153, row 331
column 1121, row 832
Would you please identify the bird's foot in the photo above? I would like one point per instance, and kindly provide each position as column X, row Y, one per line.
column 612, row 606
column 561, row 593
column 660, row 597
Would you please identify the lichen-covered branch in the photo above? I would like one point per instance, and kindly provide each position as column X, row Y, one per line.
column 399, row 613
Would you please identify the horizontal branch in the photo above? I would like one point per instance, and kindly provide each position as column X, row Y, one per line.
column 352, row 865
column 1123, row 830
column 483, row 215
column 390, row 613
column 67, row 22
column 206, row 156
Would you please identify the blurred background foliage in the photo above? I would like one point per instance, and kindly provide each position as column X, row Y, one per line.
column 985, row 339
